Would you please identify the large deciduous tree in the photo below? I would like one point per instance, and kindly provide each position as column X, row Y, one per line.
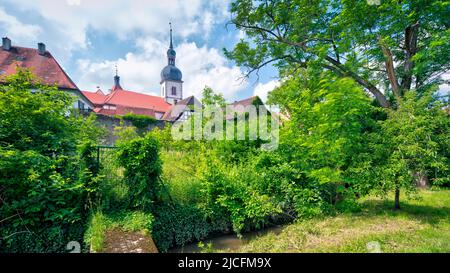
column 388, row 49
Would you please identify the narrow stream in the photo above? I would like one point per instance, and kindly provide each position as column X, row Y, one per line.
column 228, row 242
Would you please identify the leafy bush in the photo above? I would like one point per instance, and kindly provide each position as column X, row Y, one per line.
column 231, row 191
column 53, row 238
column 140, row 159
column 139, row 121
column 179, row 224
column 45, row 180
column 412, row 141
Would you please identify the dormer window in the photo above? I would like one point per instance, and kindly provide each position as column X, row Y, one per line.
column 109, row 107
column 174, row 91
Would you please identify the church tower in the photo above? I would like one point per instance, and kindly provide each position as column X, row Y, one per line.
column 171, row 83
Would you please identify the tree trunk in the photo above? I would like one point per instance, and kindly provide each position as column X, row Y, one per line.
column 397, row 199
column 421, row 179
column 389, row 63
column 411, row 36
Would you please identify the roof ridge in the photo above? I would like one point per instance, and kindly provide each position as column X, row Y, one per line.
column 141, row 93
column 63, row 71
column 24, row 47
column 110, row 96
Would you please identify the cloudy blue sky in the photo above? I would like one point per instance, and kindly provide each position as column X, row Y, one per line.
column 89, row 37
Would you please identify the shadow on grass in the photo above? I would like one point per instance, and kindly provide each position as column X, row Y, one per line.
column 432, row 215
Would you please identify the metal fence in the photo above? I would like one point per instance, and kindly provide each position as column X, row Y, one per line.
column 107, row 159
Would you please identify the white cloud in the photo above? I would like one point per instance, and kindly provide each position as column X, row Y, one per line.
column 140, row 71
column 262, row 89
column 240, row 35
column 22, row 32
column 72, row 18
column 205, row 66
column 66, row 24
column 73, row 2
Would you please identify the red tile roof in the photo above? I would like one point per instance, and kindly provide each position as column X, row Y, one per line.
column 254, row 100
column 137, row 100
column 96, row 98
column 127, row 101
column 246, row 102
column 45, row 67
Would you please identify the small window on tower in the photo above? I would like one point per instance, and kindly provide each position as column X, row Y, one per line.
column 174, row 91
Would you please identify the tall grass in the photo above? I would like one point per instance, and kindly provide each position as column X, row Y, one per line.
column 179, row 176
column 113, row 188
column 95, row 234
column 100, row 223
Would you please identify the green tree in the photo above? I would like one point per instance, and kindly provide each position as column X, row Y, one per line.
column 389, row 49
column 210, row 98
column 328, row 119
column 140, row 159
column 44, row 182
column 413, row 140
column 392, row 47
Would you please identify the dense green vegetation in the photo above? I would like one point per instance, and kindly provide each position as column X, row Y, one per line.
column 139, row 121
column 395, row 51
column 47, row 177
column 364, row 121
column 338, row 154
column 183, row 191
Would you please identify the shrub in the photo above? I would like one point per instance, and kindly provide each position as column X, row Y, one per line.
column 142, row 165
column 179, row 224
column 139, row 121
column 231, row 191
column 53, row 238
column 45, row 181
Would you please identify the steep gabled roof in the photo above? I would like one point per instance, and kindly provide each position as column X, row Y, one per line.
column 254, row 100
column 96, row 98
column 45, row 66
column 177, row 110
column 126, row 102
column 248, row 101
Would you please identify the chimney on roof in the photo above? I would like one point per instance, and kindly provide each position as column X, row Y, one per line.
column 41, row 48
column 6, row 43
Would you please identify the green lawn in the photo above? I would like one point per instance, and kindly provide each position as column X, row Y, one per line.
column 422, row 225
